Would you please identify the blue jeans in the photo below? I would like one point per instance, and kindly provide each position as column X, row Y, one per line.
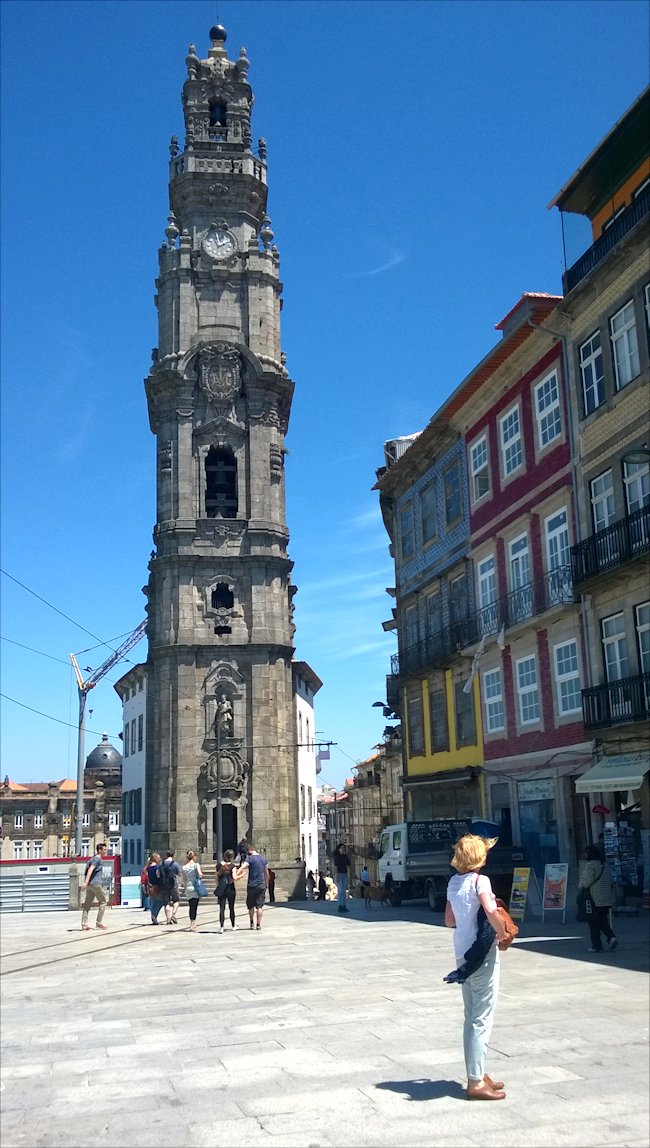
column 480, row 993
column 342, row 885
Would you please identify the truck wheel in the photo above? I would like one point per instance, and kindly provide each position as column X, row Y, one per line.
column 436, row 900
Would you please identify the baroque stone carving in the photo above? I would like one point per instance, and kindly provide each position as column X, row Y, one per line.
column 165, row 456
column 275, row 462
column 220, row 372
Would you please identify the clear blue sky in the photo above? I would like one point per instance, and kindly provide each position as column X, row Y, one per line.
column 412, row 149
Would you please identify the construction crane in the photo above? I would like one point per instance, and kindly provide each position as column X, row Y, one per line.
column 83, row 689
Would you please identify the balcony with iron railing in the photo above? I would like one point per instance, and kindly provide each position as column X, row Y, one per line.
column 612, row 547
column 552, row 589
column 607, row 241
column 615, row 703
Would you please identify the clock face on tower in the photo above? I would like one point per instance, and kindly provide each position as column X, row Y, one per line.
column 218, row 243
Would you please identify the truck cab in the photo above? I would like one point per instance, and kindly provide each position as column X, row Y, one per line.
column 392, row 855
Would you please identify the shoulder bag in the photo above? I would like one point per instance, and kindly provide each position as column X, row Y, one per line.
column 503, row 914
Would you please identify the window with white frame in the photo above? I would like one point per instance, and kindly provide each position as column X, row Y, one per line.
column 643, row 636
column 511, row 447
column 558, row 551
column 527, row 690
column 495, row 715
column 18, row 850
column 67, row 820
column 407, row 533
column 38, row 821
column 625, row 346
column 428, row 512
column 591, row 370
column 547, row 410
column 602, row 500
column 480, row 468
column 140, row 732
column 114, row 845
column 18, row 819
column 126, row 740
column 636, row 477
column 487, row 593
column 617, row 665
column 567, row 677
column 302, row 803
column 86, row 821
column 521, row 599
column 113, row 819
column 133, row 735
column 85, row 846
column 612, row 219
column 37, row 849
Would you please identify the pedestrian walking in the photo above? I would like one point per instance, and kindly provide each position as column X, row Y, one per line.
column 153, row 887
column 364, row 884
column 226, row 890
column 256, row 867
column 271, row 885
column 94, row 889
column 596, row 880
column 190, row 875
column 468, row 891
column 242, row 851
column 144, row 884
column 169, row 873
column 342, row 868
column 311, row 885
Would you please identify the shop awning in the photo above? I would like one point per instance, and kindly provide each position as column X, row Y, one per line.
column 444, row 777
column 620, row 771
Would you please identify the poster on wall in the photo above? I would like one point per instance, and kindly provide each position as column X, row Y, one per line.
column 519, row 893
column 555, row 883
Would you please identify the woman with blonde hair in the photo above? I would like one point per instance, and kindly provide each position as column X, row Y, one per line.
column 467, row 892
column 190, row 874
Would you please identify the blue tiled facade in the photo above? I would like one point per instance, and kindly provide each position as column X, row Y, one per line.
column 444, row 553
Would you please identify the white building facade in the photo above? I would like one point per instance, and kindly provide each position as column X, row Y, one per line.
column 132, row 690
column 306, row 685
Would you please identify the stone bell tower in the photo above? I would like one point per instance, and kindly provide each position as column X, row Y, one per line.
column 219, row 594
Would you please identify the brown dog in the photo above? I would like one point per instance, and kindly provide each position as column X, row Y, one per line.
column 375, row 893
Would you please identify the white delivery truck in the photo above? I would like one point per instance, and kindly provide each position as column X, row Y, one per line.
column 414, row 858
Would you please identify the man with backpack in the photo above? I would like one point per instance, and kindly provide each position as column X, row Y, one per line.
column 168, row 874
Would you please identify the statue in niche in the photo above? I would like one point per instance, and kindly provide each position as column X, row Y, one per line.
column 224, row 718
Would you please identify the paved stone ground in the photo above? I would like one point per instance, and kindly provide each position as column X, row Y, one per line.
column 319, row 1031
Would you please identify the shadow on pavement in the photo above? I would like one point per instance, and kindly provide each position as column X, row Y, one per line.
column 424, row 1089
column 569, row 941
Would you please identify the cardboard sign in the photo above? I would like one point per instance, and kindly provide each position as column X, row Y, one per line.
column 519, row 893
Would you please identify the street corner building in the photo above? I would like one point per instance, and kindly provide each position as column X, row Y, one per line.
column 220, row 722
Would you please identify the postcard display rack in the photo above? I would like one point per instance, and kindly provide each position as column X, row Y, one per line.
column 620, row 852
